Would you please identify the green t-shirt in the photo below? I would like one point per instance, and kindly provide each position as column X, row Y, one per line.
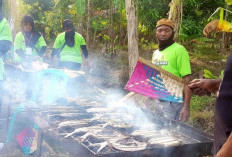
column 70, row 54
column 19, row 43
column 5, row 31
column 5, row 34
column 174, row 59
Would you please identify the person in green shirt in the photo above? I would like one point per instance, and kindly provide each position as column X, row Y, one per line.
column 5, row 42
column 29, row 44
column 68, row 46
column 174, row 58
column 5, row 46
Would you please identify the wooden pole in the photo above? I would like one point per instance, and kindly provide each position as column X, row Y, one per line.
column 132, row 30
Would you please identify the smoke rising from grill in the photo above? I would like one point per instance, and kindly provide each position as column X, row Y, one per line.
column 128, row 112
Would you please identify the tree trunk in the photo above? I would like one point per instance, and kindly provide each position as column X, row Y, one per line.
column 132, row 30
column 175, row 14
column 225, row 43
column 88, row 22
column 111, row 44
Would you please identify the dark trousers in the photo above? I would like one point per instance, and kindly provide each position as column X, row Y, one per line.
column 5, row 46
column 70, row 65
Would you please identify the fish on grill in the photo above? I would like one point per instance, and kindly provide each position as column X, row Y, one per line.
column 155, row 137
column 100, row 110
column 128, row 144
column 84, row 132
column 73, row 123
column 146, row 133
column 165, row 141
column 109, row 134
column 117, row 124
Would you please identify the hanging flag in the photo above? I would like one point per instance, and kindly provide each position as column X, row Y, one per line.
column 152, row 81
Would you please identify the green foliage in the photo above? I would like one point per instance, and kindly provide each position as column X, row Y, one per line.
column 49, row 15
column 202, row 112
column 38, row 7
column 199, row 103
column 195, row 17
column 222, row 74
column 208, row 74
column 53, row 27
column 203, row 39
column 80, row 4
column 6, row 8
column 100, row 4
column 99, row 23
column 151, row 11
column 229, row 2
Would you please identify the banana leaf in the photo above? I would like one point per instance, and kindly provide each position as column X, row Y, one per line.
column 229, row 2
column 224, row 26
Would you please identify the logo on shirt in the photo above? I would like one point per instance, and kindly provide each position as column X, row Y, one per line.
column 158, row 58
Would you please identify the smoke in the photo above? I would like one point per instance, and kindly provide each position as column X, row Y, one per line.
column 128, row 112
column 22, row 87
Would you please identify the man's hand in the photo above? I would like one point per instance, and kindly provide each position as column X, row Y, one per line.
column 204, row 86
column 184, row 114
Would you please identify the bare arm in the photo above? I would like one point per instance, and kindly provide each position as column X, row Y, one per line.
column 185, row 114
column 226, row 150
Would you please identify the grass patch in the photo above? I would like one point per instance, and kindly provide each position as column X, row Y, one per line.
column 203, row 120
column 202, row 103
column 202, row 112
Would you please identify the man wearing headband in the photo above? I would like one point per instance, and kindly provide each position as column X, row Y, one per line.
column 174, row 58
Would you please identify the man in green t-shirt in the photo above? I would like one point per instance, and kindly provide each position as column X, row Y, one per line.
column 175, row 59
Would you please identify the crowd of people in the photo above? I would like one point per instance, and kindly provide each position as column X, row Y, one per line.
column 29, row 46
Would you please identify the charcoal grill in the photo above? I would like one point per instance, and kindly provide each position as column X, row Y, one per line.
column 80, row 133
column 86, row 128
